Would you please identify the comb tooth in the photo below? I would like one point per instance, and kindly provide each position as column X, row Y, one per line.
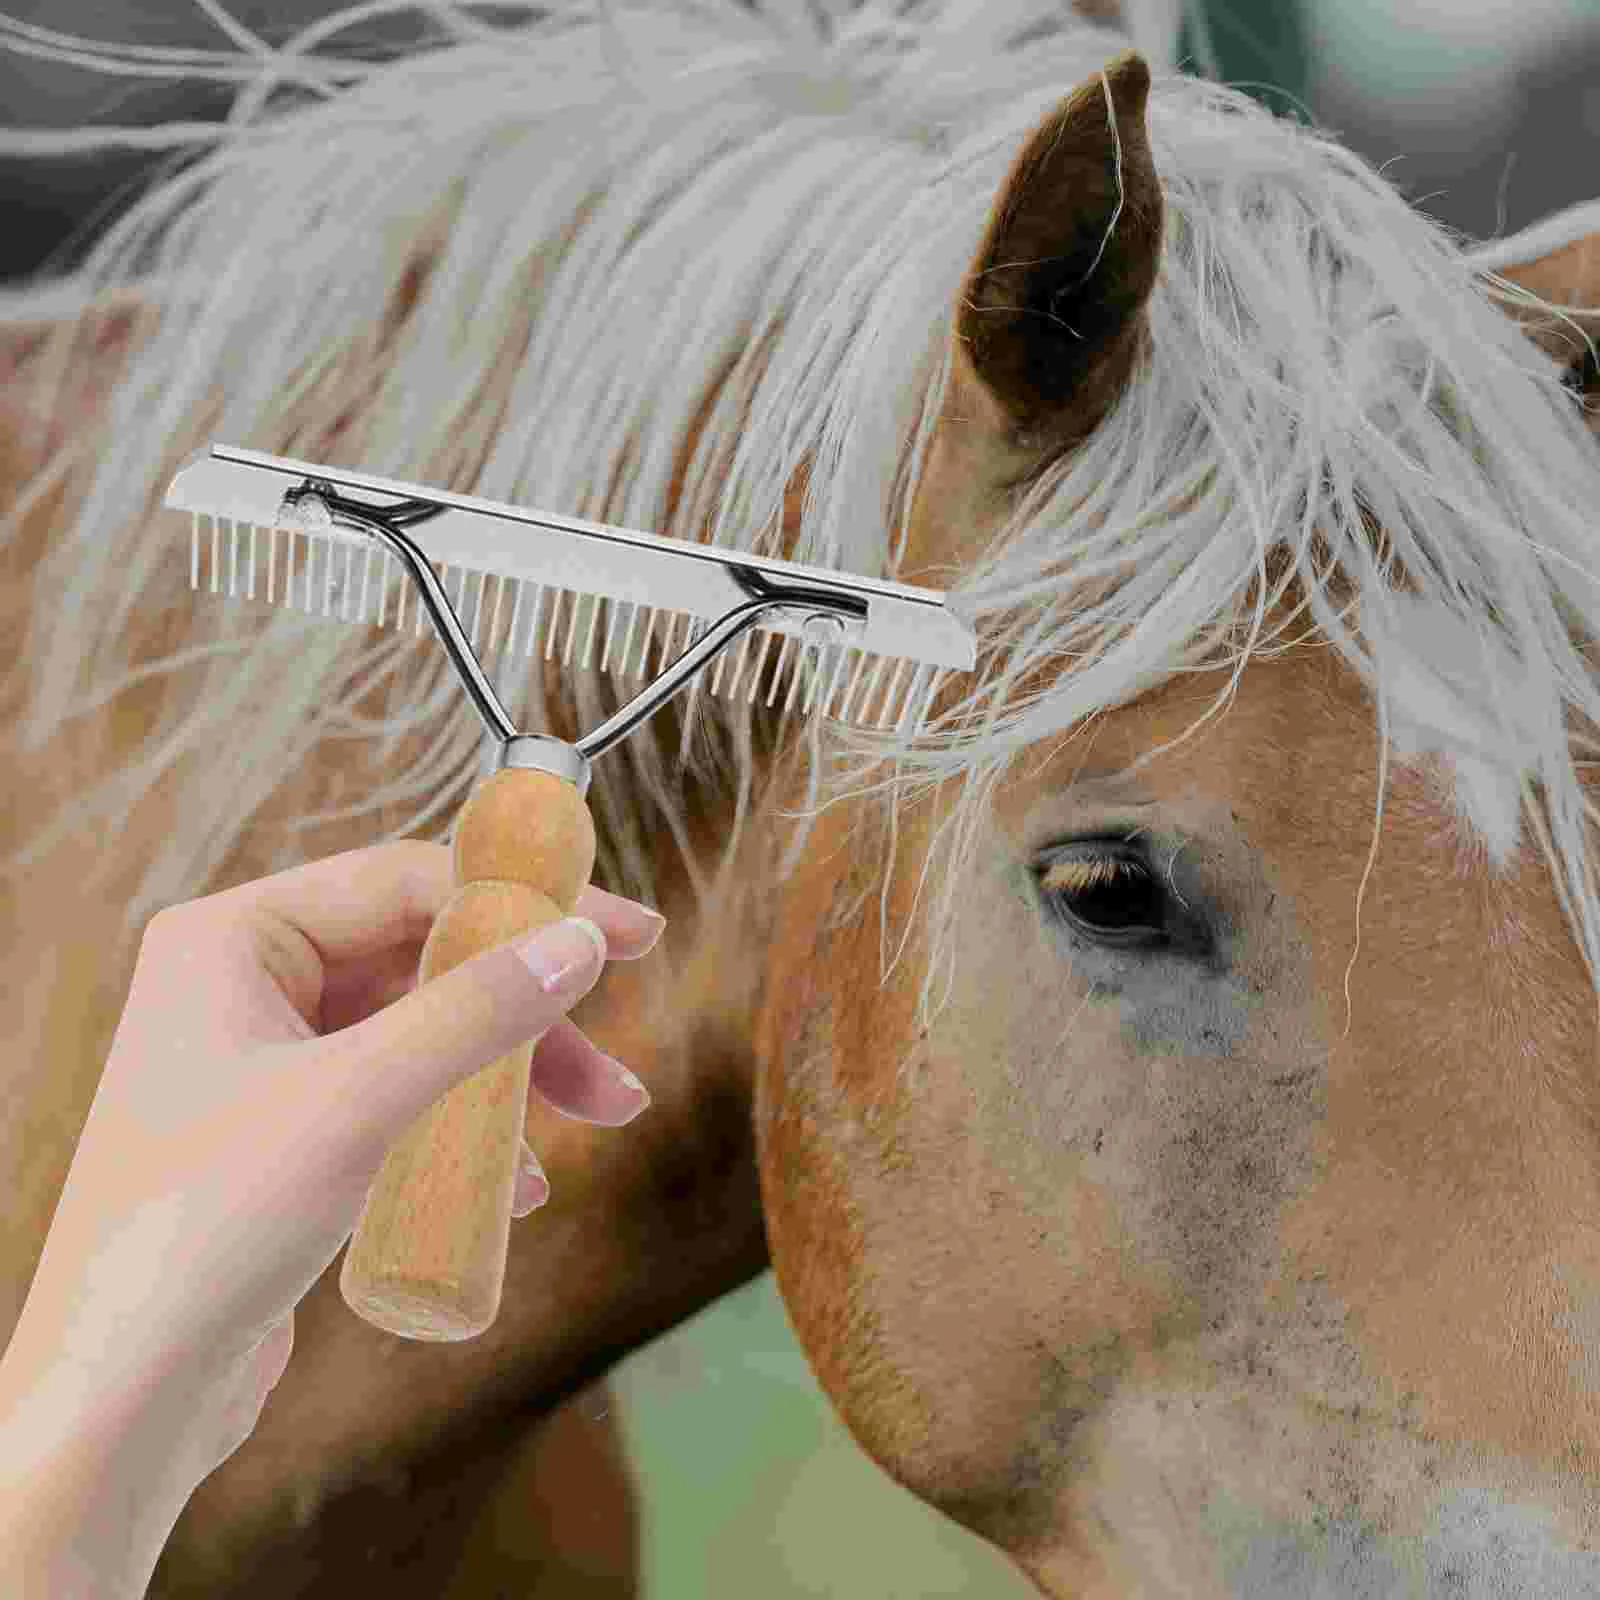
column 588, row 638
column 716, row 671
column 330, row 582
column 644, row 643
column 553, row 625
column 890, row 697
column 272, row 560
column 366, row 582
column 874, row 683
column 306, row 586
column 216, row 554
column 821, row 684
column 925, row 683
column 854, row 685
column 891, row 691
column 516, row 617
column 613, row 618
column 475, row 632
column 868, row 677
column 837, row 656
column 796, row 672
column 841, row 681
column 194, row 549
column 499, row 601
column 548, row 619
column 739, row 659
column 536, row 622
column 785, row 665
column 844, row 684
column 250, row 565
column 574, row 606
column 877, row 695
column 383, row 591
column 233, row 555
column 347, row 583
column 627, row 643
column 764, row 651
column 834, row 704
column 816, row 678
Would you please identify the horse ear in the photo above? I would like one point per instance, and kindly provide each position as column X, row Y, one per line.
column 1569, row 276
column 1051, row 313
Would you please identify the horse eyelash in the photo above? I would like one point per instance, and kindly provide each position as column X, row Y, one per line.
column 1077, row 874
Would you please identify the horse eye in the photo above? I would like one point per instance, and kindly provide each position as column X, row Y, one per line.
column 1107, row 895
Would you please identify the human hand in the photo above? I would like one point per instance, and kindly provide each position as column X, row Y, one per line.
column 268, row 1056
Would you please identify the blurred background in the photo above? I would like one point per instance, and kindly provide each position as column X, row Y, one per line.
column 1486, row 115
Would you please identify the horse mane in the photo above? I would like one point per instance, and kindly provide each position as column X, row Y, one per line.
column 767, row 226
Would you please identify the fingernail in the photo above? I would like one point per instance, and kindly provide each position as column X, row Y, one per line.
column 561, row 955
column 657, row 922
column 630, row 1083
column 534, row 1173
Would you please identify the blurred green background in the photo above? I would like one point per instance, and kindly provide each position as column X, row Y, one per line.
column 749, row 1485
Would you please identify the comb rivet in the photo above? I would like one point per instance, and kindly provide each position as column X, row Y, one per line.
column 823, row 628
column 307, row 511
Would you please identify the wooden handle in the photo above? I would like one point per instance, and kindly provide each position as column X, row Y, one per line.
column 428, row 1256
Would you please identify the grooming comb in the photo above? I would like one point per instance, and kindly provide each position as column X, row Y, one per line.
column 427, row 1259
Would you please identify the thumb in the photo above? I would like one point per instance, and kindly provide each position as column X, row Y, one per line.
column 409, row 1054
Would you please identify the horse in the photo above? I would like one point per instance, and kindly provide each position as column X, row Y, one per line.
column 1192, row 1199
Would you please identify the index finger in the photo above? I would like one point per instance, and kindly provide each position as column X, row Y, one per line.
column 363, row 903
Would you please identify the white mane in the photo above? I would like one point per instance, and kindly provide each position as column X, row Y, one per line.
column 622, row 205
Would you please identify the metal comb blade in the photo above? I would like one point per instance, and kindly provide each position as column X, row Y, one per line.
column 548, row 576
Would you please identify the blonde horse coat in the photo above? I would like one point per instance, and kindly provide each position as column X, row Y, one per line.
column 1139, row 1252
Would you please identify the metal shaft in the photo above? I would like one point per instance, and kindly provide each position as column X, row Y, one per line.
column 316, row 505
